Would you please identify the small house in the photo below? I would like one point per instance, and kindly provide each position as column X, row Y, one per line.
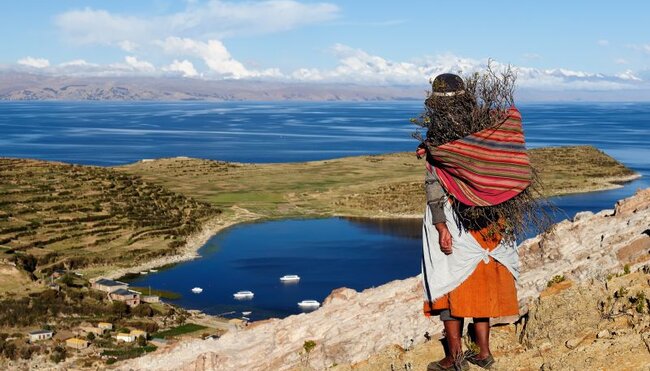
column 92, row 330
column 76, row 343
column 130, row 298
column 127, row 338
column 40, row 335
column 105, row 326
column 107, row 285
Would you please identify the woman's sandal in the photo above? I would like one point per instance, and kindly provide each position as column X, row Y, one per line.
column 436, row 366
column 485, row 363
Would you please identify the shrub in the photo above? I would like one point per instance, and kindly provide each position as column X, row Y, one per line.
column 555, row 280
column 626, row 269
column 58, row 354
column 143, row 310
column 640, row 301
column 119, row 308
column 309, row 345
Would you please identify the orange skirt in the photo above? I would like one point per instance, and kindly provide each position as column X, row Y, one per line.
column 488, row 292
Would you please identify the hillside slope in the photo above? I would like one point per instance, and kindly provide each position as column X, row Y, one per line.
column 56, row 215
column 564, row 328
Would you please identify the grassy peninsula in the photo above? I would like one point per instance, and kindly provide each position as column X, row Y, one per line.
column 388, row 185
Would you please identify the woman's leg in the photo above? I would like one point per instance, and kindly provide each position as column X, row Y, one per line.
column 453, row 332
column 482, row 332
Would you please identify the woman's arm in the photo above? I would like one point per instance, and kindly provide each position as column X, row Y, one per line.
column 436, row 199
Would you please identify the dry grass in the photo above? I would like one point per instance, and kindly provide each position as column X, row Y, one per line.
column 381, row 185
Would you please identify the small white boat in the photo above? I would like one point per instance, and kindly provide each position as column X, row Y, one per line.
column 153, row 270
column 309, row 304
column 143, row 272
column 243, row 295
column 247, row 313
column 246, row 319
column 197, row 290
column 290, row 278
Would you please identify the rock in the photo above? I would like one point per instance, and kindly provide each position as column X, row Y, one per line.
column 590, row 247
column 582, row 215
column 604, row 334
column 573, row 343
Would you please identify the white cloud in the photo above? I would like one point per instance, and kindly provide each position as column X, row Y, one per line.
column 209, row 20
column 131, row 65
column 34, row 62
column 89, row 26
column 603, row 42
column 184, row 67
column 127, row 45
column 628, row 75
column 77, row 63
column 137, row 65
column 353, row 66
column 215, row 55
column 640, row 47
column 358, row 66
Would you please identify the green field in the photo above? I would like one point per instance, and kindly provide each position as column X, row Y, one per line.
column 163, row 294
column 179, row 330
column 127, row 353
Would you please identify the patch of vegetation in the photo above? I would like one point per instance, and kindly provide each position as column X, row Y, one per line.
column 179, row 330
column 626, row 269
column 620, row 293
column 309, row 345
column 164, row 294
column 555, row 280
column 640, row 302
column 126, row 353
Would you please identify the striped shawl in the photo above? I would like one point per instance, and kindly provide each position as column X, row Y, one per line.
column 485, row 168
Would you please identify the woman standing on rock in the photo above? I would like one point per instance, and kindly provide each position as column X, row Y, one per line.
column 478, row 196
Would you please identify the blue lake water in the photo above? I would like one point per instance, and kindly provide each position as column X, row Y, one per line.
column 327, row 253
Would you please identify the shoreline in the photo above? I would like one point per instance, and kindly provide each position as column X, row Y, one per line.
column 189, row 252
column 212, row 227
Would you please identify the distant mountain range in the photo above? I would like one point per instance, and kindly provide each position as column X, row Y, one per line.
column 28, row 86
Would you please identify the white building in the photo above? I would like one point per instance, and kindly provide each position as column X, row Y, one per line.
column 40, row 335
column 127, row 338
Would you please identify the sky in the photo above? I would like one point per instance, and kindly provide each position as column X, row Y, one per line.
column 593, row 45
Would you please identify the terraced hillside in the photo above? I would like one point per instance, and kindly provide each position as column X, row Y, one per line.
column 55, row 215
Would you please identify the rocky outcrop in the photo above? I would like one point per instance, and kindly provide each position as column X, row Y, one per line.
column 590, row 245
column 352, row 326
